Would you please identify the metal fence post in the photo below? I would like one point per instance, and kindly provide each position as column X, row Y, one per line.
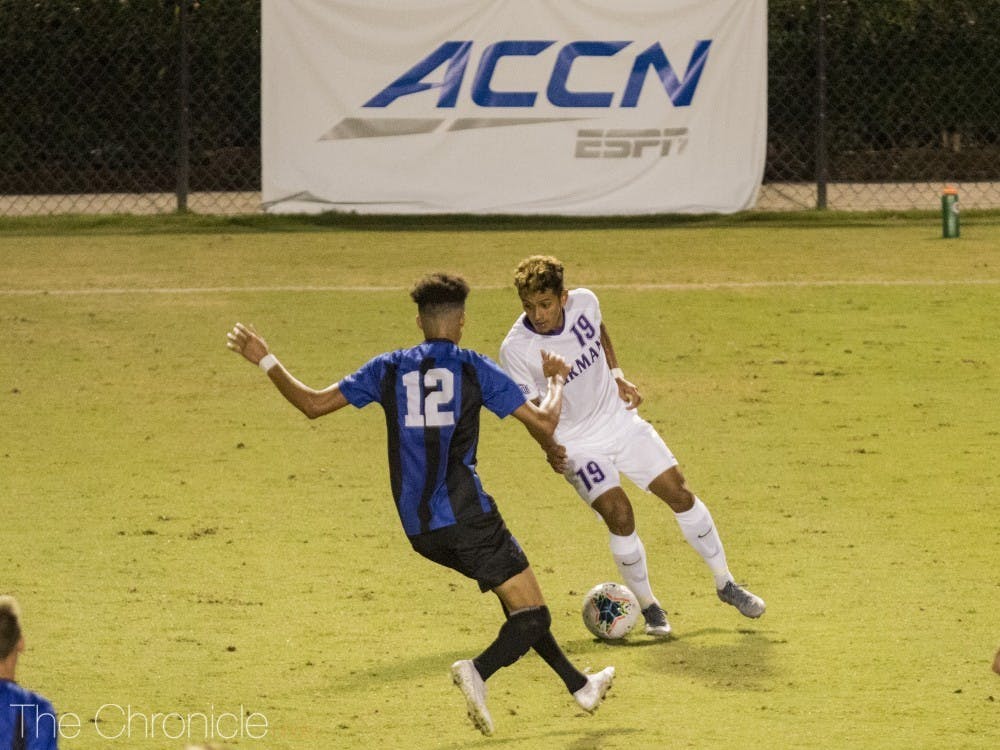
column 822, row 162
column 184, row 114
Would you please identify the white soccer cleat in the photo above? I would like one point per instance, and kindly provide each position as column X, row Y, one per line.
column 590, row 695
column 749, row 605
column 466, row 676
column 656, row 621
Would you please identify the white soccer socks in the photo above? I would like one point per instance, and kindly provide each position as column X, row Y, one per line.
column 699, row 530
column 630, row 557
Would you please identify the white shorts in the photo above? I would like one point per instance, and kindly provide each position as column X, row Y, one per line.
column 631, row 446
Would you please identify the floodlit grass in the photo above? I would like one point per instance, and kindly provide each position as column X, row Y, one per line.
column 183, row 542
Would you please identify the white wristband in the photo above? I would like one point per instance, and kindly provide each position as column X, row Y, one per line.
column 267, row 362
column 616, row 373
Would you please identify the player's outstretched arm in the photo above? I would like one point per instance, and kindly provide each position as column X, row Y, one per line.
column 542, row 419
column 311, row 402
column 627, row 392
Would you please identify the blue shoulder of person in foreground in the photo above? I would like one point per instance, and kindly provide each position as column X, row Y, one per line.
column 26, row 715
column 27, row 720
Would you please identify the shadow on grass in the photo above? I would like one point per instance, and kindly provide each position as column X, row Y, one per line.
column 587, row 645
column 563, row 739
column 435, row 668
column 399, row 668
column 726, row 659
column 718, row 657
column 432, row 666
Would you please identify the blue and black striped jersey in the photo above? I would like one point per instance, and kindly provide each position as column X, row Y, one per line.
column 431, row 395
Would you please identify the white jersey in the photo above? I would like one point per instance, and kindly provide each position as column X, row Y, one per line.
column 590, row 396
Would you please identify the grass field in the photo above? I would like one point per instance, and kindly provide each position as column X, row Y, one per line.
column 184, row 543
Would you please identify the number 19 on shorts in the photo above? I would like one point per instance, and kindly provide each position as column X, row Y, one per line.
column 590, row 475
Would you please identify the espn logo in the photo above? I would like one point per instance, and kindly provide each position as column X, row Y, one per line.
column 629, row 144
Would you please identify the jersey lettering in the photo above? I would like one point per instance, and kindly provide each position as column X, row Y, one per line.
column 583, row 329
column 424, row 408
column 585, row 360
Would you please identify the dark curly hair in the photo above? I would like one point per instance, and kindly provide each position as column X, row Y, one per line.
column 439, row 292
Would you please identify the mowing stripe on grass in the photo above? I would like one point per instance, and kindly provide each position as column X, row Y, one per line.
column 678, row 287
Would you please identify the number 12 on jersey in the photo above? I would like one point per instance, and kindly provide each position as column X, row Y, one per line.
column 425, row 408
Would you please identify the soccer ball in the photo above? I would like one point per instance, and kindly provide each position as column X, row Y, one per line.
column 610, row 611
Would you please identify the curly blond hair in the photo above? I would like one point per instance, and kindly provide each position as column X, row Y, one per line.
column 539, row 273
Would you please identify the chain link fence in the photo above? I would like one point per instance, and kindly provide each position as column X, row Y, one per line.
column 129, row 106
column 877, row 104
column 153, row 106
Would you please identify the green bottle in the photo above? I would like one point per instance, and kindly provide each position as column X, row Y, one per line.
column 949, row 212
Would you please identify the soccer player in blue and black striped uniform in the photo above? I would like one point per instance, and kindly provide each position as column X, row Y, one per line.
column 27, row 720
column 432, row 394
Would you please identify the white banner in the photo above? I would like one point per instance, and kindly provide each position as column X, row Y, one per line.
column 572, row 107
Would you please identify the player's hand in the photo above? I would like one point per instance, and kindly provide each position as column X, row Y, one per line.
column 628, row 393
column 556, row 456
column 553, row 364
column 246, row 341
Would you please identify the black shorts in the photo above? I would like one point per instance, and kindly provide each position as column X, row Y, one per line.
column 481, row 549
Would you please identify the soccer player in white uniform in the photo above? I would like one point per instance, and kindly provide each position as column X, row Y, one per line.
column 601, row 435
